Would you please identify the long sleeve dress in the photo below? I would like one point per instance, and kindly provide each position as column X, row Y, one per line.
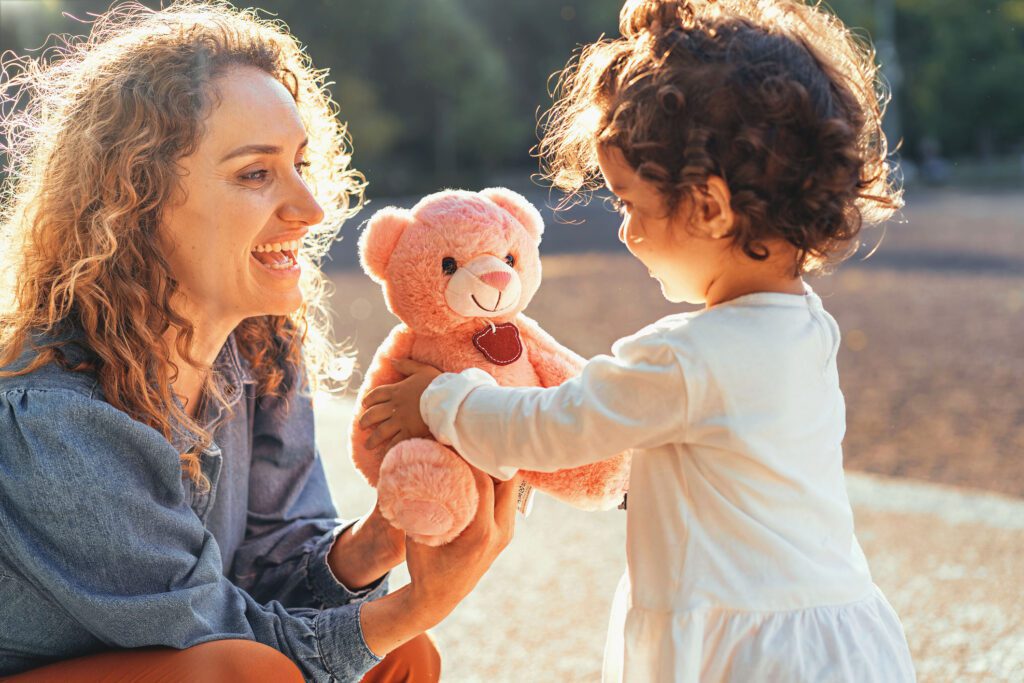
column 742, row 559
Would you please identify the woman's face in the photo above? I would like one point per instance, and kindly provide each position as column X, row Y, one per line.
column 231, row 238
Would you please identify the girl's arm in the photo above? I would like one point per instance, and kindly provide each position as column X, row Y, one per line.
column 635, row 398
column 552, row 362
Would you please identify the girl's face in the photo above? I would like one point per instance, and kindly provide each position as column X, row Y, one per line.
column 677, row 253
column 231, row 238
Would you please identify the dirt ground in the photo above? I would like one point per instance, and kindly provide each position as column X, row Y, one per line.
column 932, row 363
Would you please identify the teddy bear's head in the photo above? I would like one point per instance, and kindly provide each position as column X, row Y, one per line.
column 455, row 260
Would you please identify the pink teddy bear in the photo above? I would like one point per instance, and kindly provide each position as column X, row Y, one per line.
column 457, row 269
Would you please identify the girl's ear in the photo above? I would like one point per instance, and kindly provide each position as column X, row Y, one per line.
column 379, row 238
column 716, row 208
column 516, row 204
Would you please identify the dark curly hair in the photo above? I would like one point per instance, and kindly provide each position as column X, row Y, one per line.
column 777, row 98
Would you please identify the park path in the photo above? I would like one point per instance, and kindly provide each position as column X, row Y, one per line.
column 950, row 560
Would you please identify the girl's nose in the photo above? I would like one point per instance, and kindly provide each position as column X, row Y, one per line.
column 497, row 279
column 622, row 232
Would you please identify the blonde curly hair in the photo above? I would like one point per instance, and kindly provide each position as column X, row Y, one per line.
column 93, row 131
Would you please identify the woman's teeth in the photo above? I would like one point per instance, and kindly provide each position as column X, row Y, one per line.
column 277, row 255
column 294, row 245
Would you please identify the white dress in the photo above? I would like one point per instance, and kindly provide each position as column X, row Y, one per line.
column 742, row 559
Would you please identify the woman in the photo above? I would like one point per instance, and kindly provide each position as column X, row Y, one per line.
column 175, row 180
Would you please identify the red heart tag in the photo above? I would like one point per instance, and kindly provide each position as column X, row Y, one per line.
column 500, row 344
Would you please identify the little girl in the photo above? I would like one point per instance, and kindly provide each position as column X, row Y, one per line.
column 743, row 142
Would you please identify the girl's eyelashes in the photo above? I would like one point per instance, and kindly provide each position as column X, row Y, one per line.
column 302, row 166
column 620, row 206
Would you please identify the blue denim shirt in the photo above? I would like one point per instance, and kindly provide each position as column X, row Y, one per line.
column 103, row 543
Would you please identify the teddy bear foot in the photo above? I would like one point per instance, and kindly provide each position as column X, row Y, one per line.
column 427, row 491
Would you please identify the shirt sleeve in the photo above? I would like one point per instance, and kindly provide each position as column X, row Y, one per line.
column 94, row 517
column 635, row 398
column 292, row 523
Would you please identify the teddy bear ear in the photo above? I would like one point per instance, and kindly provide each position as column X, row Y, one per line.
column 517, row 205
column 379, row 239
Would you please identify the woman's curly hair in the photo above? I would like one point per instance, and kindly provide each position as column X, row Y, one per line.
column 776, row 97
column 93, row 131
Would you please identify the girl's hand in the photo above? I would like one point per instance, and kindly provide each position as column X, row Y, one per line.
column 392, row 411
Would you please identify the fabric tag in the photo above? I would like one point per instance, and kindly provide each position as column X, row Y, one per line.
column 524, row 501
column 500, row 344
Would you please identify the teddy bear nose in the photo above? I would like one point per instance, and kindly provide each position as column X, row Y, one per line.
column 497, row 279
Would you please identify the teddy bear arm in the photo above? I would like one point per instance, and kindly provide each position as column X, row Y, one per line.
column 552, row 362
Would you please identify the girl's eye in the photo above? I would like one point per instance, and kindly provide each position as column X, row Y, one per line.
column 302, row 166
column 620, row 206
column 448, row 265
column 511, row 261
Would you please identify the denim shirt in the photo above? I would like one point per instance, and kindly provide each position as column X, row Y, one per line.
column 104, row 544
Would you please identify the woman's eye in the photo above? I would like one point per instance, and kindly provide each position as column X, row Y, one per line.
column 511, row 261
column 448, row 265
column 256, row 175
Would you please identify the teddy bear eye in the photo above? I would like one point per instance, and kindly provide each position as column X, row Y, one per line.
column 510, row 260
column 448, row 265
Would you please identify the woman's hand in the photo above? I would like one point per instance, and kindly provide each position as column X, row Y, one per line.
column 366, row 551
column 441, row 577
column 392, row 411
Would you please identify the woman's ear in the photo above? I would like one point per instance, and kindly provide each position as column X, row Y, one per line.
column 379, row 239
column 715, row 209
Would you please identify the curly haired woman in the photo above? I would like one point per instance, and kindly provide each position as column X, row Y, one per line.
column 164, row 514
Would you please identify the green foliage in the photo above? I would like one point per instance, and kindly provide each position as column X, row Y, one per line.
column 444, row 92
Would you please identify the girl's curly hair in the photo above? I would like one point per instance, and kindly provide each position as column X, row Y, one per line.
column 776, row 97
column 93, row 131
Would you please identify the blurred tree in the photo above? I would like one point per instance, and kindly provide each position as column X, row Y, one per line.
column 446, row 92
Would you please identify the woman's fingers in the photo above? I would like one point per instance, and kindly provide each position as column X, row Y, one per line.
column 506, row 495
column 375, row 415
column 383, row 433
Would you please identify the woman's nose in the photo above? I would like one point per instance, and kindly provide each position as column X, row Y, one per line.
column 302, row 207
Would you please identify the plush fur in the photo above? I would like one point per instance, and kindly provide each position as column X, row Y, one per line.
column 423, row 487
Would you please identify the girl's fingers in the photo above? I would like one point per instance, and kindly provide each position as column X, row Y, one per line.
column 383, row 433
column 377, row 395
column 407, row 366
column 376, row 415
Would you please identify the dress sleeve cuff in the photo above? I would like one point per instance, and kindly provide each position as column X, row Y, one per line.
column 325, row 587
column 439, row 408
column 341, row 645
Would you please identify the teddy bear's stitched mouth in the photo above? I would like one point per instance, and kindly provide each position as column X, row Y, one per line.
column 497, row 304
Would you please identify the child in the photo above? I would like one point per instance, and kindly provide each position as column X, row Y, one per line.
column 743, row 142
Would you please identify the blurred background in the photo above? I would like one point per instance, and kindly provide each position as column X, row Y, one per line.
column 447, row 93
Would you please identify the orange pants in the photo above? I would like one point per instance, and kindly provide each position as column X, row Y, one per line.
column 225, row 661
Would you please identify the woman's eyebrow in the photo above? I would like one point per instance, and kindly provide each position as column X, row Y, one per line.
column 257, row 149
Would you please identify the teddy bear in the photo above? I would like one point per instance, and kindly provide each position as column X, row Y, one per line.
column 457, row 270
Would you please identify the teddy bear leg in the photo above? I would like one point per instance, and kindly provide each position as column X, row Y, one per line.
column 426, row 490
